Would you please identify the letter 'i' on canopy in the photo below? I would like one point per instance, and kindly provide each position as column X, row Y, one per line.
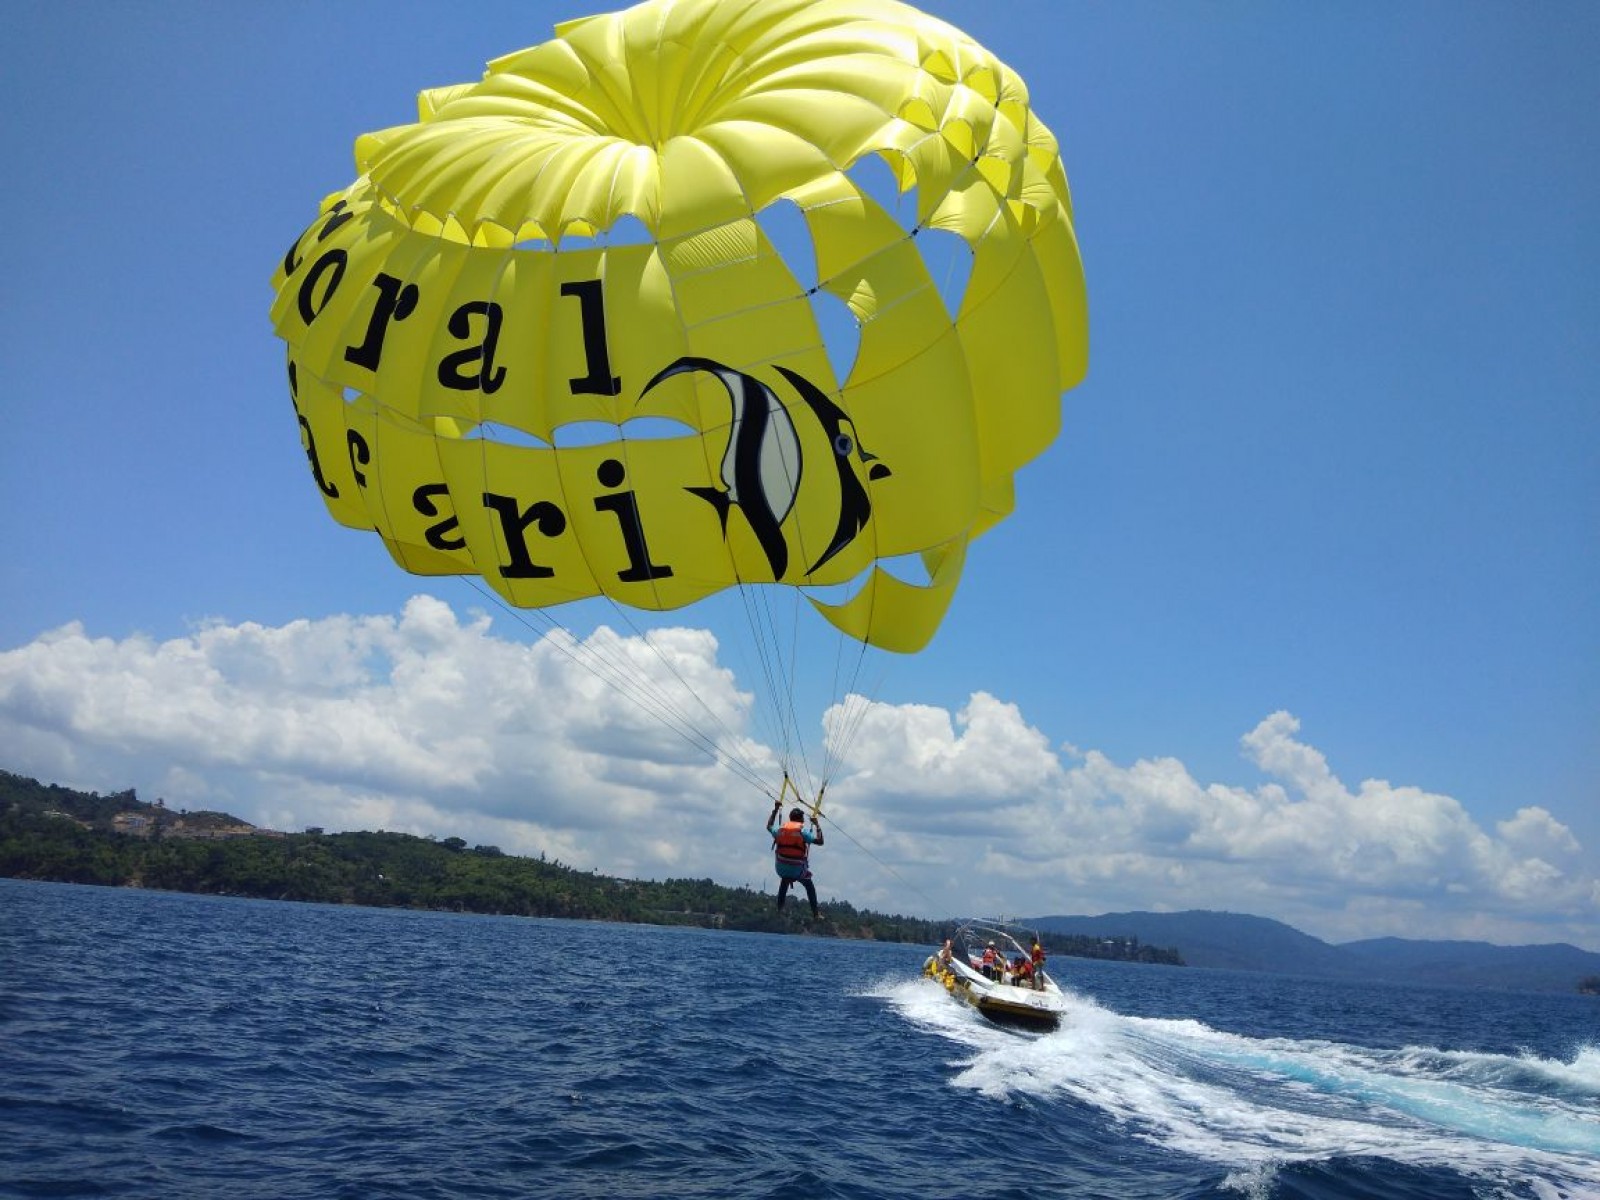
column 659, row 221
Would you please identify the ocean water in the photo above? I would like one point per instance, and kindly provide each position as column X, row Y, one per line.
column 171, row 1046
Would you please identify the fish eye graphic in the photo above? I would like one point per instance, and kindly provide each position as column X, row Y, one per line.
column 844, row 446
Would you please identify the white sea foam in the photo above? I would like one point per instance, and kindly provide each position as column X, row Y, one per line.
column 1257, row 1103
column 1582, row 1074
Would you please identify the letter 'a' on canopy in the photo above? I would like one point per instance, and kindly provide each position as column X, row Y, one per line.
column 591, row 238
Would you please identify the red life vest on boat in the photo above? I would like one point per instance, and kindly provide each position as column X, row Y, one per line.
column 789, row 843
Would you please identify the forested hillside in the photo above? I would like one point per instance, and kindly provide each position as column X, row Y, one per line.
column 49, row 832
column 54, row 833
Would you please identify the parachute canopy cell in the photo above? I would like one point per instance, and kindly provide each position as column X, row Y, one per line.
column 630, row 316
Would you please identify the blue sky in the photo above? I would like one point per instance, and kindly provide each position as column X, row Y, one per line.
column 1300, row 615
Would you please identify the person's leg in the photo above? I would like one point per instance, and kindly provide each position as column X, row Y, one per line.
column 783, row 890
column 811, row 894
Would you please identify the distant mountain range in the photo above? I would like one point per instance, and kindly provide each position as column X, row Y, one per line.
column 1245, row 943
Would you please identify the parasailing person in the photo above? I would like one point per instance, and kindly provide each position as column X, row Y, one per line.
column 791, row 848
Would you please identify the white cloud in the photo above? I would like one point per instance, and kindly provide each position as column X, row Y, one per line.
column 1535, row 831
column 430, row 724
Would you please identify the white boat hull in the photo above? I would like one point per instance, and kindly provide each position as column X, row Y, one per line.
column 1023, row 1006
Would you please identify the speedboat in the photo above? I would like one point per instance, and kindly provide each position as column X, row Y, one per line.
column 985, row 965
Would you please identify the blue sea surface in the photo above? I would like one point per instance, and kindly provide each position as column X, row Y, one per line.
column 173, row 1046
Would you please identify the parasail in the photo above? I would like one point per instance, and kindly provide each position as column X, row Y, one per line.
column 629, row 317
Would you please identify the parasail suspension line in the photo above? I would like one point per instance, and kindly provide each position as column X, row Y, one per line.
column 646, row 697
column 814, row 807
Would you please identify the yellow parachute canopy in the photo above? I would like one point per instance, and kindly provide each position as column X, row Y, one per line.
column 583, row 241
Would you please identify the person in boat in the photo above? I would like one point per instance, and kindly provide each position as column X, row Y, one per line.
column 791, row 850
column 1022, row 971
column 946, row 952
column 1036, row 971
column 992, row 963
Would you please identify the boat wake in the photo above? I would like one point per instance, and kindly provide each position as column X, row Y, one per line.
column 1256, row 1104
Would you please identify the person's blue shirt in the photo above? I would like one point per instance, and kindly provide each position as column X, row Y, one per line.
column 786, row 868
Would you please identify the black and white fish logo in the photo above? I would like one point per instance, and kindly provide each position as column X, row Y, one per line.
column 763, row 463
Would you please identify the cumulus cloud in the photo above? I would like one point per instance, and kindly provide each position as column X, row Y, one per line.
column 421, row 723
column 433, row 724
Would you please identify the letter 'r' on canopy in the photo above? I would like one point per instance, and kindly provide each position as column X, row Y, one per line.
column 659, row 225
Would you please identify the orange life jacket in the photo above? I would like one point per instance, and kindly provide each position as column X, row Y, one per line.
column 789, row 844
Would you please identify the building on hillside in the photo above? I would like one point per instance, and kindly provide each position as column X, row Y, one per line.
column 133, row 824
